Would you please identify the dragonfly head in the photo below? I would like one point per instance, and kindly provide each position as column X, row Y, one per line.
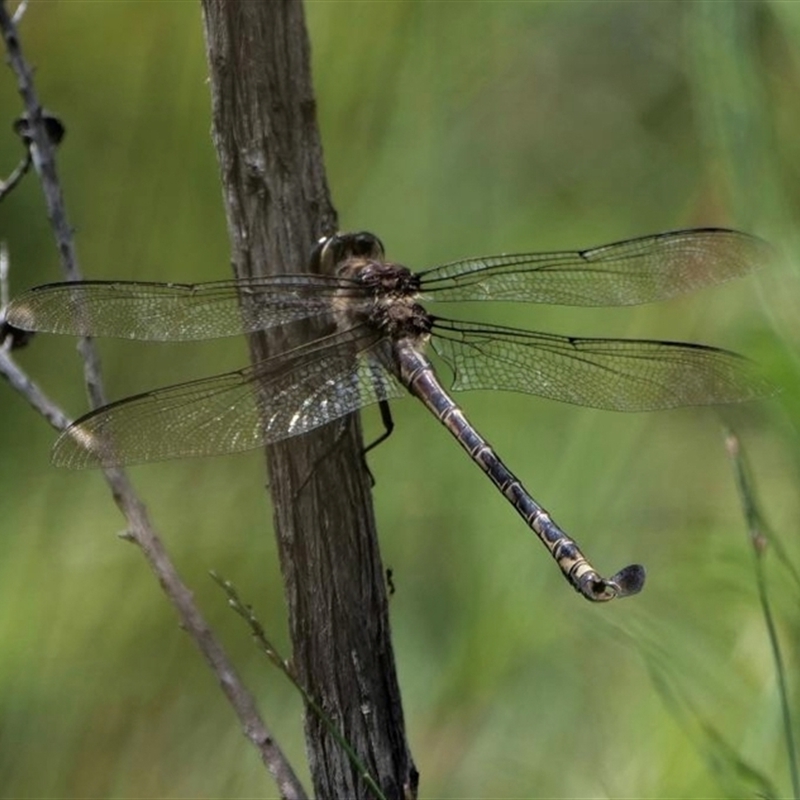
column 332, row 250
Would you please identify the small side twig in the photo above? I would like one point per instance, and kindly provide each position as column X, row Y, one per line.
column 11, row 338
column 20, row 12
column 41, row 150
column 5, row 267
column 20, row 382
column 16, row 176
column 760, row 539
column 247, row 613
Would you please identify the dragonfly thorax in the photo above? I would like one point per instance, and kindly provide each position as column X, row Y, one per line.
column 383, row 296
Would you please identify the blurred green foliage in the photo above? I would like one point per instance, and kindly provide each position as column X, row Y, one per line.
column 450, row 129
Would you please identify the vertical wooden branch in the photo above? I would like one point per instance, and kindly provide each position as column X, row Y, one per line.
column 278, row 204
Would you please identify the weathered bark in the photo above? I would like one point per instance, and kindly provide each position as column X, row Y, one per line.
column 277, row 200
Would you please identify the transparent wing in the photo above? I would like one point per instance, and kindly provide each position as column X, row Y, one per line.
column 173, row 311
column 614, row 374
column 624, row 273
column 283, row 396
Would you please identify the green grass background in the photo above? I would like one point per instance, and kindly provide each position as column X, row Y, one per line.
column 450, row 129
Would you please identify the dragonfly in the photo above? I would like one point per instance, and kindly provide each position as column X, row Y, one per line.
column 378, row 342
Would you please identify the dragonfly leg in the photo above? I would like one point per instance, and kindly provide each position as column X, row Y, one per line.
column 339, row 436
column 342, row 426
column 388, row 427
column 390, row 581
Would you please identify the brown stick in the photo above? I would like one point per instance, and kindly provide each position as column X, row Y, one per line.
column 278, row 204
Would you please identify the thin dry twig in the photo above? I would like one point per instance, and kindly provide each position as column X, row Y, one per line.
column 139, row 527
column 259, row 635
column 20, row 382
column 5, row 266
column 16, row 176
column 20, row 12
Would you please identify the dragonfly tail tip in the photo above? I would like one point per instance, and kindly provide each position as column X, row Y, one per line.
column 629, row 580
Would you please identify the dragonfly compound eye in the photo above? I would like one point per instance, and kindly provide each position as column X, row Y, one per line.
column 366, row 245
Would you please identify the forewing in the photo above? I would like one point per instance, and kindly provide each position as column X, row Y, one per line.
column 634, row 271
column 171, row 311
column 283, row 396
column 614, row 374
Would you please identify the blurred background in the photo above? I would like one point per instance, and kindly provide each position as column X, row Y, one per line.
column 450, row 129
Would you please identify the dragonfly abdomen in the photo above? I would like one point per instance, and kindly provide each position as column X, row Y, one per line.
column 418, row 374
